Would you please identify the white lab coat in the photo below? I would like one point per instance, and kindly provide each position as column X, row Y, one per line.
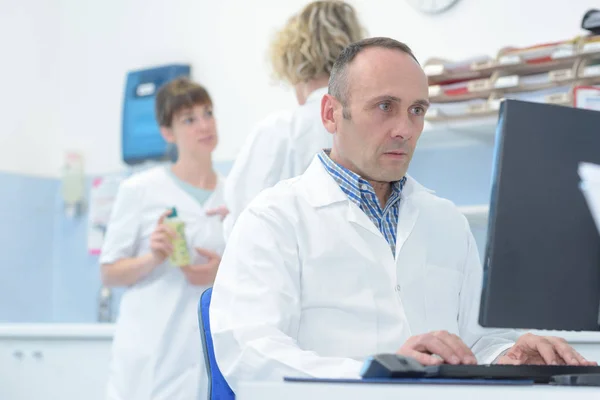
column 157, row 351
column 281, row 147
column 308, row 286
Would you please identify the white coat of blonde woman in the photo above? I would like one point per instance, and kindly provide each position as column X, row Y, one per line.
column 283, row 145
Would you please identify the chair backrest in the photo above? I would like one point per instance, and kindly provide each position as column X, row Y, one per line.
column 218, row 389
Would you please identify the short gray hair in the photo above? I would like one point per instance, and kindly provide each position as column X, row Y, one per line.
column 338, row 79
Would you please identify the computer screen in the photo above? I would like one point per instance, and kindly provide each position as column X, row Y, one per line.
column 542, row 254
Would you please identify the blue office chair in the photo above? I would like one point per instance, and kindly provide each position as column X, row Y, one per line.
column 218, row 389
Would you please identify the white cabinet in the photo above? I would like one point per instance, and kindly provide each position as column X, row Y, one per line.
column 47, row 367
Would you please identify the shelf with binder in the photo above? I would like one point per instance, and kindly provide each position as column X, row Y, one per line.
column 474, row 109
column 547, row 57
column 558, row 95
column 440, row 71
column 474, row 121
column 466, row 95
column 539, row 58
column 460, row 91
column 457, row 110
column 507, row 83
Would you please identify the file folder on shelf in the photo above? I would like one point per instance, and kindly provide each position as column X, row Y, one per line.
column 440, row 71
column 465, row 90
column 457, row 110
column 535, row 81
column 538, row 58
column 560, row 95
column 544, row 73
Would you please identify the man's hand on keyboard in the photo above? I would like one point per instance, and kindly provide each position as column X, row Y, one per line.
column 542, row 350
column 436, row 348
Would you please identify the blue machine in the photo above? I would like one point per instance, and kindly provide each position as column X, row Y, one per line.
column 141, row 139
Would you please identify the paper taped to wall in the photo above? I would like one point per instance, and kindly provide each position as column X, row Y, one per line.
column 102, row 197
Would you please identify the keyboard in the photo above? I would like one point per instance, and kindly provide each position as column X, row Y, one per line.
column 537, row 373
column 391, row 366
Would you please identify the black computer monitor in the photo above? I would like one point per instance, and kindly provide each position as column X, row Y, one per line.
column 542, row 256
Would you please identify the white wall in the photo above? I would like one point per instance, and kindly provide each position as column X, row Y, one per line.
column 28, row 85
column 69, row 59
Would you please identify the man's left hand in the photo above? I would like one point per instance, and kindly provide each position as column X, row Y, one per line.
column 543, row 350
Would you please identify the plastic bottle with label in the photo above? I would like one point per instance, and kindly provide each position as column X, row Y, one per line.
column 180, row 256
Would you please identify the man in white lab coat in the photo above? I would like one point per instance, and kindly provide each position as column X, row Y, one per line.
column 283, row 145
column 354, row 257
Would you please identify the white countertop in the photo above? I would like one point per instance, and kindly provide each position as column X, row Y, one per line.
column 106, row 331
column 57, row 331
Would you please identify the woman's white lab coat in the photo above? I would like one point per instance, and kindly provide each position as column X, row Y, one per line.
column 281, row 147
column 308, row 286
column 157, row 352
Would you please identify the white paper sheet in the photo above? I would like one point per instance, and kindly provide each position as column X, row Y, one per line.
column 590, row 186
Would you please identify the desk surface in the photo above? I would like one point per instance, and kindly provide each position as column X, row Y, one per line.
column 57, row 331
column 317, row 391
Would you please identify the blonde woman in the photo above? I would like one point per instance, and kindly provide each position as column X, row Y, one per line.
column 282, row 146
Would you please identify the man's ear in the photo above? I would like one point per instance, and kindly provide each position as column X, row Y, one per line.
column 167, row 134
column 329, row 104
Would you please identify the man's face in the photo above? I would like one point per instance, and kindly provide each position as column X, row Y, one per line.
column 387, row 101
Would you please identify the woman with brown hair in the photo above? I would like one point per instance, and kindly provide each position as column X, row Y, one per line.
column 157, row 351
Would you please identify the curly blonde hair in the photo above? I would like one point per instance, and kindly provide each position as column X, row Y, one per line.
column 308, row 45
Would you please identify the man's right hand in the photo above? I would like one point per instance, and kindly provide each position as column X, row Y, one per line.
column 436, row 348
column 161, row 239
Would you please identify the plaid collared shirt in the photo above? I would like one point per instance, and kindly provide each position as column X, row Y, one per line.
column 361, row 193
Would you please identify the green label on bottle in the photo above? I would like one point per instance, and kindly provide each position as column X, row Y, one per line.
column 180, row 256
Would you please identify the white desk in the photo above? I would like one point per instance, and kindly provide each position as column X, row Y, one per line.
column 587, row 343
column 318, row 391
